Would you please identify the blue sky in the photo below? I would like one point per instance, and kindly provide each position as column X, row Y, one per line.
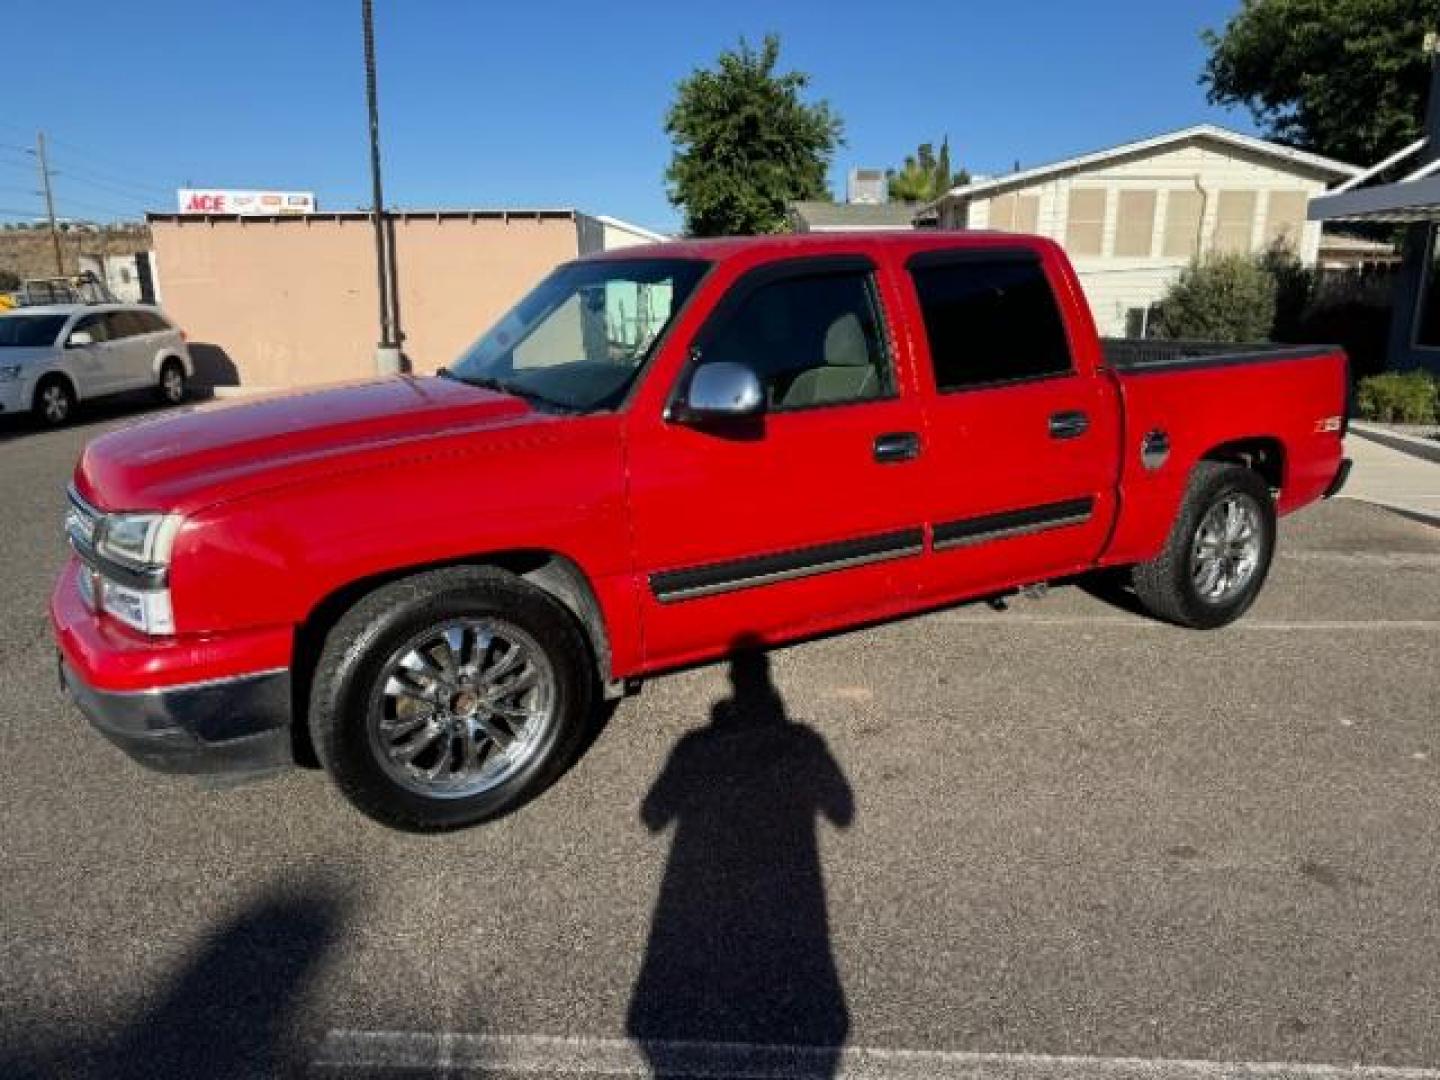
column 557, row 104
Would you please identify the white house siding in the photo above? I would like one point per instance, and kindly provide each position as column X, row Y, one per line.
column 1116, row 284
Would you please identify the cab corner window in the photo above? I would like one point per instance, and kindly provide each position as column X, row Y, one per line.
column 812, row 340
column 990, row 321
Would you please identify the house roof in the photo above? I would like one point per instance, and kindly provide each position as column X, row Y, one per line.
column 1301, row 158
column 853, row 217
column 1402, row 202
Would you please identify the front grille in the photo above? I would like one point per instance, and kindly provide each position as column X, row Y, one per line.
column 82, row 522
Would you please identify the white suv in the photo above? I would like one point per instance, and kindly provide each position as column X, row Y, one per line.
column 52, row 357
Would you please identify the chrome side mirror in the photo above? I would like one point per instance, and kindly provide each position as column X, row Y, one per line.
column 722, row 391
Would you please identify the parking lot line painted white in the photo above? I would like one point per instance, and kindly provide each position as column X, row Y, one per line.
column 1140, row 623
column 457, row 1053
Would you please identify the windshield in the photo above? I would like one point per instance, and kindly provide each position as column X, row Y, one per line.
column 579, row 340
column 30, row 331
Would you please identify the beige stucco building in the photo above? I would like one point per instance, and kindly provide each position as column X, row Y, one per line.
column 291, row 301
column 1133, row 216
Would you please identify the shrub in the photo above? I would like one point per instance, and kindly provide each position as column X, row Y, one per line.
column 1222, row 298
column 1409, row 398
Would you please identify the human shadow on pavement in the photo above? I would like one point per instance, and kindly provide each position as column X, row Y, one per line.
column 739, row 949
column 226, row 1013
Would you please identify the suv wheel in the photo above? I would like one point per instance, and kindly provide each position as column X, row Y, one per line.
column 1218, row 552
column 172, row 382
column 54, row 401
column 450, row 698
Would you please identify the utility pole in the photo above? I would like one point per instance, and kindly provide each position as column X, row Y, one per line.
column 49, row 201
column 387, row 353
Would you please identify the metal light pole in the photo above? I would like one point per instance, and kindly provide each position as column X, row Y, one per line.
column 388, row 360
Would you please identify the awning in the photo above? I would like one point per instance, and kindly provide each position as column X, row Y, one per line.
column 1406, row 201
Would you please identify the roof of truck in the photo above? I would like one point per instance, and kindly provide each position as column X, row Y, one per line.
column 722, row 248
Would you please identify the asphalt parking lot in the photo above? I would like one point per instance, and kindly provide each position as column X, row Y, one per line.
column 1063, row 832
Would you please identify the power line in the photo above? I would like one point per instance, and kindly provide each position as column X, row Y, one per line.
column 99, row 178
column 69, row 175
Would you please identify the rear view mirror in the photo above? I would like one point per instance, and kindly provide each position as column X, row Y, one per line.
column 79, row 339
column 723, row 391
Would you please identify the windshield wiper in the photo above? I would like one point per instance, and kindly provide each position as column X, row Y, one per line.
column 489, row 382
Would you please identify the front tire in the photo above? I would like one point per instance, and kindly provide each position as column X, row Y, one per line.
column 1218, row 553
column 451, row 698
column 54, row 401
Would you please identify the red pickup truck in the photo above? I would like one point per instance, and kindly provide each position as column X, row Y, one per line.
column 428, row 583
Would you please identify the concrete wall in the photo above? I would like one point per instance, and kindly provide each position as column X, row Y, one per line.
column 292, row 301
column 1115, row 284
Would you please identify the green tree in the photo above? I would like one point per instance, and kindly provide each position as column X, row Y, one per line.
column 1221, row 298
column 746, row 144
column 1345, row 78
column 925, row 176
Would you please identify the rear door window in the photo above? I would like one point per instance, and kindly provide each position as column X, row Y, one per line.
column 989, row 321
column 122, row 324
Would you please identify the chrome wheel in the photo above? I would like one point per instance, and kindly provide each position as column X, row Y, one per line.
column 461, row 708
column 54, row 403
column 1226, row 551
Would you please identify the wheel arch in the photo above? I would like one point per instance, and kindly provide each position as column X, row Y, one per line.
column 1263, row 454
column 164, row 356
column 549, row 571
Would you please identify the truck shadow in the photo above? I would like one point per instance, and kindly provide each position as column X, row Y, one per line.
column 226, row 1013
column 739, row 949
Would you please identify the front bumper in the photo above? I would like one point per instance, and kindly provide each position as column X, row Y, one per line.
column 15, row 396
column 229, row 726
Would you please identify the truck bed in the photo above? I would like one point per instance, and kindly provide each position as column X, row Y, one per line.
column 1141, row 355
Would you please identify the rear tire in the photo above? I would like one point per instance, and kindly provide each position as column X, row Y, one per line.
column 54, row 401
column 1218, row 552
column 171, row 389
column 408, row 664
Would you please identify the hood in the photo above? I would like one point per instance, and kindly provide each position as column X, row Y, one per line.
column 234, row 448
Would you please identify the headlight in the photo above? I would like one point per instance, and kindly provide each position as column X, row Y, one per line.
column 138, row 541
column 9, row 372
column 147, row 610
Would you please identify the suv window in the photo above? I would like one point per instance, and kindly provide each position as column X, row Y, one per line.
column 97, row 326
column 124, row 324
column 990, row 321
column 147, row 322
column 812, row 340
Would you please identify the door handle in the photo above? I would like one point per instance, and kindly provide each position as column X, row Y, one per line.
column 897, row 446
column 1068, row 425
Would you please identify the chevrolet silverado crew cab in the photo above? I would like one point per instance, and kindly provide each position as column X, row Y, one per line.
column 429, row 583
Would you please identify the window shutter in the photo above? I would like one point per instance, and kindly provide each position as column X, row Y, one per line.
column 1002, row 213
column 1182, row 224
column 1085, row 231
column 1285, row 218
column 1234, row 220
column 1135, row 229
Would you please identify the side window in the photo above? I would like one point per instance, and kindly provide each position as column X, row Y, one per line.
column 147, row 322
column 95, row 326
column 121, row 324
column 990, row 321
column 812, row 340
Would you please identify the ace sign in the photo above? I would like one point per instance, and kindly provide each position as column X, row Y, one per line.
column 228, row 201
